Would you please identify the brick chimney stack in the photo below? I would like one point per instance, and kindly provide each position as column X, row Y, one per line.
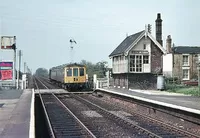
column 159, row 29
column 169, row 44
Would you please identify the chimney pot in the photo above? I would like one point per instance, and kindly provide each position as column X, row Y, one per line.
column 159, row 29
column 169, row 44
column 158, row 16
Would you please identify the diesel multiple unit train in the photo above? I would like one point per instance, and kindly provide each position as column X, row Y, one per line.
column 69, row 76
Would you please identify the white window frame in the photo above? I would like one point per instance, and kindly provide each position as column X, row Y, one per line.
column 188, row 74
column 145, row 59
column 133, row 68
column 183, row 62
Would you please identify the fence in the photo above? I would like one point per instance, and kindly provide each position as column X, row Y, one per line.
column 100, row 82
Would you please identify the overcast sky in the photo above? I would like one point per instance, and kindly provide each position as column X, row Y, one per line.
column 44, row 27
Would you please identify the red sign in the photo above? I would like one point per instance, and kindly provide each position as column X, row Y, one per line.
column 6, row 74
column 6, row 47
column 6, row 64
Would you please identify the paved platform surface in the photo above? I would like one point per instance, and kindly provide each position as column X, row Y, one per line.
column 15, row 113
column 180, row 101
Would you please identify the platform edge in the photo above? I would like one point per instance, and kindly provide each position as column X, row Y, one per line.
column 154, row 101
column 32, row 116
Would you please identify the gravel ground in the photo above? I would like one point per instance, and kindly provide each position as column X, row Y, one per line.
column 129, row 107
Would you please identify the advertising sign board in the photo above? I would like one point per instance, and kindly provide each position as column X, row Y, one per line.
column 7, row 42
column 6, row 71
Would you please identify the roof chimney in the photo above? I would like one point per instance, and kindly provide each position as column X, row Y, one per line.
column 159, row 29
column 169, row 44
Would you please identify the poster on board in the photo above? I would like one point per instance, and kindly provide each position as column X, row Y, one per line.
column 6, row 71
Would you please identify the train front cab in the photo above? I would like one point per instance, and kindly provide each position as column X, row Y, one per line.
column 75, row 78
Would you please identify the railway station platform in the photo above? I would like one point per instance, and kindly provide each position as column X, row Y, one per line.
column 17, row 113
column 173, row 100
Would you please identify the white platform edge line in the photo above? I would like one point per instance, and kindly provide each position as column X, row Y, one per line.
column 32, row 116
column 156, row 102
column 162, row 93
column 141, row 92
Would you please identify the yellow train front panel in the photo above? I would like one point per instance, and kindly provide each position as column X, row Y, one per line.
column 75, row 74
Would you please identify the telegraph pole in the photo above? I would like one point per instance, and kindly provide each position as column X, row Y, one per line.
column 19, row 68
column 14, row 62
column 24, row 67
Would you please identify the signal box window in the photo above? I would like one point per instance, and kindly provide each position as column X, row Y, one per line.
column 75, row 71
column 81, row 71
column 145, row 59
column 69, row 72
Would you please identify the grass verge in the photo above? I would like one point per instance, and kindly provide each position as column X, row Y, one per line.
column 189, row 90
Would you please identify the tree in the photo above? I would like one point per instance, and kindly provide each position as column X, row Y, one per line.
column 102, row 68
column 99, row 68
column 41, row 72
column 90, row 67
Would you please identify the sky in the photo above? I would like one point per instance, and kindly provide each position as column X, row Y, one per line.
column 43, row 28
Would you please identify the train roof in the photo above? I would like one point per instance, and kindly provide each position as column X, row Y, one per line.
column 69, row 65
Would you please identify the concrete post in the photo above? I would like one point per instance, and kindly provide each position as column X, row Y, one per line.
column 19, row 68
column 24, row 81
column 97, row 84
column 107, row 75
column 94, row 80
column 14, row 69
column 24, row 67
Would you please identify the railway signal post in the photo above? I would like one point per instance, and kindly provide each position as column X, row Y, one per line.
column 71, row 48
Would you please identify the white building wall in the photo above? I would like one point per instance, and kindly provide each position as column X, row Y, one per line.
column 126, row 64
column 167, row 65
column 140, row 47
column 119, row 64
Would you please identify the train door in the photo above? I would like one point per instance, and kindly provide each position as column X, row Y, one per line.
column 75, row 75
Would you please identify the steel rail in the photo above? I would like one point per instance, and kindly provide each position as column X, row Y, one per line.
column 46, row 114
column 89, row 132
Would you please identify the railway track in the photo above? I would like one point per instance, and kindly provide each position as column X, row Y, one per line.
column 103, row 119
column 154, row 126
column 138, row 124
column 61, row 121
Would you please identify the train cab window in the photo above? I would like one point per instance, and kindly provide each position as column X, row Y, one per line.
column 75, row 71
column 81, row 71
column 69, row 72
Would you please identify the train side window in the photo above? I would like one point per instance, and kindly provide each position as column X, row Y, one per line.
column 75, row 71
column 81, row 71
column 69, row 72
